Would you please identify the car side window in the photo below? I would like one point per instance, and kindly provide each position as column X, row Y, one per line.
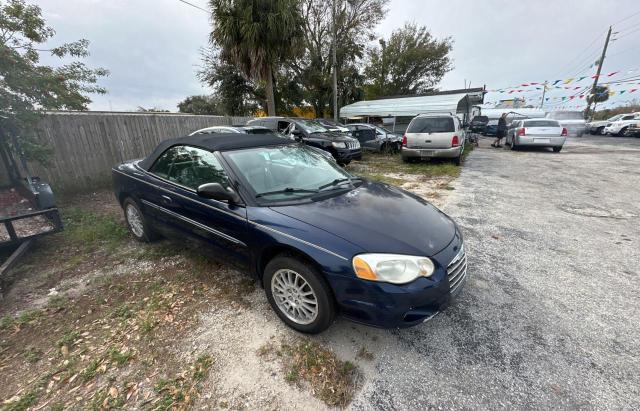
column 190, row 167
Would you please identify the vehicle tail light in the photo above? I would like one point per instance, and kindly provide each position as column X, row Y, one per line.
column 564, row 132
column 404, row 140
column 520, row 132
column 455, row 142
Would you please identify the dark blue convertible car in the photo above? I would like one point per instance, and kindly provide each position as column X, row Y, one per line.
column 320, row 240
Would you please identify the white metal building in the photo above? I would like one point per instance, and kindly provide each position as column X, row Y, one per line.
column 396, row 112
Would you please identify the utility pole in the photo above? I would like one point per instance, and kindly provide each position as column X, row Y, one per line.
column 544, row 90
column 336, row 115
column 595, row 80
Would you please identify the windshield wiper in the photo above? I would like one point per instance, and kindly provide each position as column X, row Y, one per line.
column 287, row 190
column 339, row 181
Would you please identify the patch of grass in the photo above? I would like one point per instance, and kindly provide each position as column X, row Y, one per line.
column 179, row 393
column 332, row 380
column 89, row 230
column 118, row 357
column 202, row 366
column 381, row 178
column 68, row 339
column 6, row 322
column 24, row 402
column 123, row 311
column 91, row 371
column 32, row 355
column 29, row 316
column 57, row 302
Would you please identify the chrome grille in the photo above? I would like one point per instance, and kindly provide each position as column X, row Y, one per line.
column 457, row 270
column 353, row 145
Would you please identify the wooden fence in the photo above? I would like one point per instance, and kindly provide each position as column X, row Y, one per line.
column 86, row 145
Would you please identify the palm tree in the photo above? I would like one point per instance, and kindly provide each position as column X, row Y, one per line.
column 257, row 36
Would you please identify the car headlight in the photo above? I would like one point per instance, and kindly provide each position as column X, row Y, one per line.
column 392, row 268
column 339, row 144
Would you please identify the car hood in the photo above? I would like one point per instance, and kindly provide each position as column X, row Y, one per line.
column 379, row 218
column 331, row 135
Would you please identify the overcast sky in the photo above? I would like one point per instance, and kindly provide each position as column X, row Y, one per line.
column 152, row 47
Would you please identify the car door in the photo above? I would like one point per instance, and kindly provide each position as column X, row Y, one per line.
column 218, row 224
column 366, row 136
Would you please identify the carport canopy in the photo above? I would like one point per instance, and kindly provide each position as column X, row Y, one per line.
column 412, row 106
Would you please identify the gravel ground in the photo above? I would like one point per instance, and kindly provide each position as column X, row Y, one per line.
column 549, row 315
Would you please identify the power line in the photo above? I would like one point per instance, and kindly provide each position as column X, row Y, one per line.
column 627, row 18
column 627, row 33
column 571, row 62
column 193, row 5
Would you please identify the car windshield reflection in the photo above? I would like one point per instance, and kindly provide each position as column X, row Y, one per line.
column 285, row 172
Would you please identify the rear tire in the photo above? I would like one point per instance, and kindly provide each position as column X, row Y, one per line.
column 622, row 132
column 298, row 294
column 137, row 223
column 557, row 149
column 514, row 147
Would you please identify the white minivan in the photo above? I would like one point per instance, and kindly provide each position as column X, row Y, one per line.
column 434, row 136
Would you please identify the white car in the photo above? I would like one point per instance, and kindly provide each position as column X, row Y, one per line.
column 618, row 127
column 434, row 136
column 597, row 127
column 539, row 132
column 573, row 121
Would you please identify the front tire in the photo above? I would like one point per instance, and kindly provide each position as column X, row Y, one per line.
column 136, row 222
column 298, row 294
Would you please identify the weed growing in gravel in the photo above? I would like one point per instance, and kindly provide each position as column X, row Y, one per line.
column 68, row 338
column 32, row 355
column 57, row 302
column 179, row 393
column 22, row 403
column 331, row 380
column 364, row 354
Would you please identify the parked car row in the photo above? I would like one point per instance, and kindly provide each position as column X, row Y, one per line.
column 616, row 125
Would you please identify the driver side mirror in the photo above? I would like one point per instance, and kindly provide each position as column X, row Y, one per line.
column 297, row 134
column 215, row 191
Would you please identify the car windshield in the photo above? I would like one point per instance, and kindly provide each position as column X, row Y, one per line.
column 329, row 123
column 310, row 126
column 284, row 173
column 431, row 125
column 384, row 130
column 566, row 115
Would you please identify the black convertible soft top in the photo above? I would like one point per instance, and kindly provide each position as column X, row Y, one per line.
column 216, row 142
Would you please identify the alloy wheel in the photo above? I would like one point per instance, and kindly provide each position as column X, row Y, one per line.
column 135, row 220
column 294, row 296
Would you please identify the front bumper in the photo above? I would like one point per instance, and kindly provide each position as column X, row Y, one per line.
column 540, row 141
column 452, row 152
column 346, row 154
column 397, row 306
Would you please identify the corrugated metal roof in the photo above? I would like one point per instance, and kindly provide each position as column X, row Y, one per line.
column 405, row 106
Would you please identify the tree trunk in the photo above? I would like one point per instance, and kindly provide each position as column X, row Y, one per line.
column 271, row 101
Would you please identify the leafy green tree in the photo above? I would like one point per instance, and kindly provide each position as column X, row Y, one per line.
column 411, row 61
column 258, row 37
column 356, row 21
column 199, row 105
column 235, row 95
column 27, row 87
